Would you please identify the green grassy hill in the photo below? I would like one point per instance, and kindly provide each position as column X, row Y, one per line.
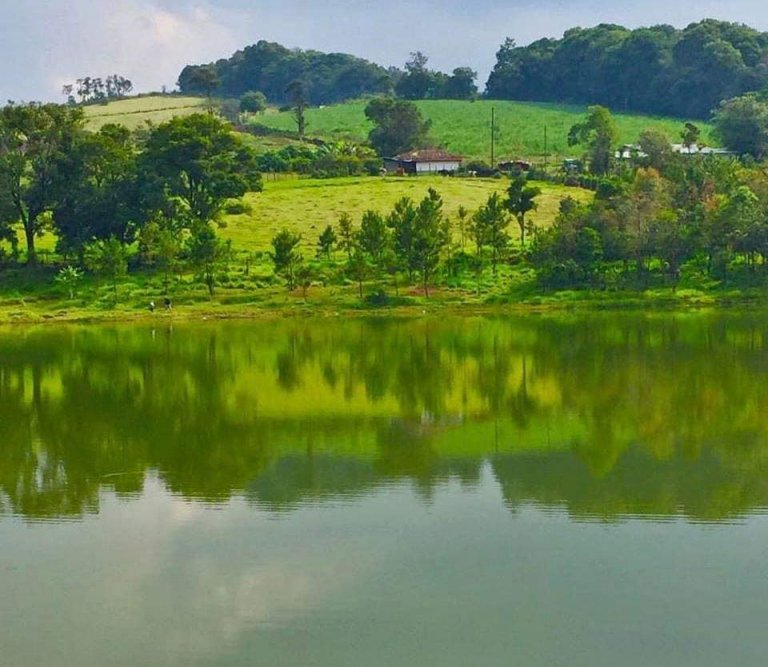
column 306, row 206
column 464, row 127
column 134, row 112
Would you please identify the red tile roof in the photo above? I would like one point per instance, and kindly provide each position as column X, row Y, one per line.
column 429, row 155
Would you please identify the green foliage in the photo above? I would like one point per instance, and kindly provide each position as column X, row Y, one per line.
column 34, row 137
column 97, row 190
column 69, row 277
column 269, row 67
column 286, row 256
column 462, row 127
column 431, row 236
column 107, row 258
column 346, row 235
column 160, row 249
column 199, row 160
column 327, row 242
column 659, row 70
column 742, row 125
column 208, row 253
column 399, row 126
column 373, row 237
column 489, row 228
column 599, row 134
column 521, row 200
column 253, row 101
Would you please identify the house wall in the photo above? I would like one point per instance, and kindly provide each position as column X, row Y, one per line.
column 431, row 167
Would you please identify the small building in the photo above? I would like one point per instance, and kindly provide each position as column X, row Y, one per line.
column 515, row 165
column 427, row 161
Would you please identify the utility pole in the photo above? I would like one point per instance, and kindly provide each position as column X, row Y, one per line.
column 493, row 137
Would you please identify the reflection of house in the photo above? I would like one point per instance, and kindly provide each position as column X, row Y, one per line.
column 430, row 161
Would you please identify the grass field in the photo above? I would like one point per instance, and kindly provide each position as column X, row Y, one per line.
column 464, row 127
column 306, row 206
column 134, row 112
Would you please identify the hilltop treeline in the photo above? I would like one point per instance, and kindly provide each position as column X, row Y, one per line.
column 660, row 70
column 271, row 68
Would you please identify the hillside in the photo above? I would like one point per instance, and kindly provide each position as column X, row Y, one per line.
column 134, row 112
column 464, row 127
column 306, row 206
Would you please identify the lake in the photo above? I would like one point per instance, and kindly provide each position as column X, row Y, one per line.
column 584, row 491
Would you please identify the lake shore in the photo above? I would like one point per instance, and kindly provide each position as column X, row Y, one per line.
column 323, row 306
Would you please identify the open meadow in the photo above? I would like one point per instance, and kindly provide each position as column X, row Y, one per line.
column 464, row 127
column 307, row 206
column 135, row 112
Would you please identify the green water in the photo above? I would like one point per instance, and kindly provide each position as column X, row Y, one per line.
column 575, row 491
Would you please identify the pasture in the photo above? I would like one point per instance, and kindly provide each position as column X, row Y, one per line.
column 465, row 127
column 307, row 206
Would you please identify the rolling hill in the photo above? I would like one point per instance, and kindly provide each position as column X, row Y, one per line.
column 464, row 127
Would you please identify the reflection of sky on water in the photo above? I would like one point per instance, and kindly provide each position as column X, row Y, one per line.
column 382, row 579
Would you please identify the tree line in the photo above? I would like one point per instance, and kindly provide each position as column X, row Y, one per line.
column 659, row 70
column 416, row 242
column 88, row 90
column 274, row 71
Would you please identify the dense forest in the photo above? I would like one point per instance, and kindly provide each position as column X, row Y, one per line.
column 271, row 68
column 660, row 70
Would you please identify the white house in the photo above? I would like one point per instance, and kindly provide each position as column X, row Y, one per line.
column 428, row 161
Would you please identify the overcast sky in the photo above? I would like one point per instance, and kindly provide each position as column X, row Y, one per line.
column 50, row 42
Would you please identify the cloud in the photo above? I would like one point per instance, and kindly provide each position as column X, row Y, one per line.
column 150, row 41
column 141, row 39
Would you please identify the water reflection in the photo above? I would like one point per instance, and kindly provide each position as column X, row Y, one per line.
column 607, row 416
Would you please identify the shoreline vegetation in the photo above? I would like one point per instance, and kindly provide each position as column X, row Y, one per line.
column 117, row 226
column 323, row 303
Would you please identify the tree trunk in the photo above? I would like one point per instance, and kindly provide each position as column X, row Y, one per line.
column 29, row 233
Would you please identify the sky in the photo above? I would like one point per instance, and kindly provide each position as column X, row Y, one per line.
column 52, row 42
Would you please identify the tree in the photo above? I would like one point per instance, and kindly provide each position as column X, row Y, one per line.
column 690, row 135
column 95, row 190
column 206, row 79
column 198, row 160
column 326, row 242
column 159, row 248
column 599, row 134
column 253, row 102
column 418, row 82
column 70, row 277
column 742, row 125
column 373, row 238
column 462, row 213
column 346, row 235
column 431, row 236
column 399, row 126
column 657, row 148
column 297, row 94
column 491, row 222
column 357, row 265
column 402, row 221
column 286, row 256
column 208, row 253
column 461, row 84
column 32, row 139
column 521, row 200
column 108, row 258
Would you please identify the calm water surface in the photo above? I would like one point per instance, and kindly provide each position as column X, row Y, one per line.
column 584, row 492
